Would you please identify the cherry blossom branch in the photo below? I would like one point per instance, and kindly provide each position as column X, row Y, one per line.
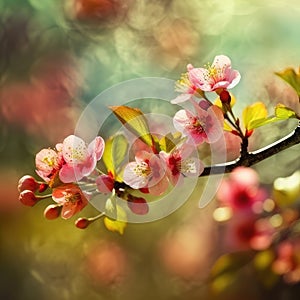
column 250, row 158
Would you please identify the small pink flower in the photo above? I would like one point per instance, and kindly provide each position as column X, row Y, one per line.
column 80, row 159
column 204, row 126
column 241, row 190
column 180, row 164
column 186, row 88
column 71, row 198
column 219, row 75
column 148, row 171
column 48, row 162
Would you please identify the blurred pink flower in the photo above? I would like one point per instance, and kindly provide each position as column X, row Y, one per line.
column 106, row 264
column 219, row 75
column 287, row 262
column 204, row 126
column 244, row 231
column 71, row 197
column 44, row 105
column 80, row 159
column 180, row 164
column 148, row 171
column 241, row 190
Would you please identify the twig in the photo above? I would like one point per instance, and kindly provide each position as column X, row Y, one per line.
column 251, row 158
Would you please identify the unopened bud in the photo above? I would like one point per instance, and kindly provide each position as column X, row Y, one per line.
column 27, row 182
column 82, row 223
column 28, row 198
column 225, row 97
column 43, row 187
column 52, row 211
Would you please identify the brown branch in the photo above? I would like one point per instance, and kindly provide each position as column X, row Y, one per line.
column 251, row 158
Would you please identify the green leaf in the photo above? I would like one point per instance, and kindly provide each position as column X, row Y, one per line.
column 282, row 112
column 253, row 113
column 263, row 121
column 115, row 151
column 292, row 78
column 168, row 142
column 119, row 224
column 135, row 121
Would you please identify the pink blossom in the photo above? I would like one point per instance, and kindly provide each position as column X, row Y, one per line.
column 71, row 198
column 80, row 159
column 186, row 88
column 219, row 75
column 48, row 162
column 148, row 171
column 241, row 190
column 180, row 164
column 204, row 126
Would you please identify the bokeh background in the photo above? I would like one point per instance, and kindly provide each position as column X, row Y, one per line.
column 55, row 57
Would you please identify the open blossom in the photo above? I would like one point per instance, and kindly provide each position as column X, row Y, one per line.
column 241, row 190
column 219, row 75
column 71, row 198
column 180, row 164
column 186, row 88
column 204, row 126
column 148, row 171
column 48, row 162
column 80, row 159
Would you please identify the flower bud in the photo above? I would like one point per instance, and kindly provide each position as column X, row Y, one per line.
column 28, row 198
column 225, row 97
column 43, row 187
column 82, row 223
column 52, row 211
column 138, row 205
column 27, row 182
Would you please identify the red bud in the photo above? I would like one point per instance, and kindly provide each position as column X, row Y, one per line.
column 52, row 211
column 248, row 133
column 43, row 187
column 28, row 198
column 82, row 223
column 27, row 182
column 225, row 96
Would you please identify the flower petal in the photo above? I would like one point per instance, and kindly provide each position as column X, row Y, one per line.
column 96, row 147
column 74, row 149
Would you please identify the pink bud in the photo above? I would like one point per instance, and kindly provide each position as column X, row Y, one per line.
column 28, row 198
column 82, row 223
column 138, row 205
column 52, row 211
column 27, row 182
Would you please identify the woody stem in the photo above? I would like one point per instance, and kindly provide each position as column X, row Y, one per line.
column 248, row 159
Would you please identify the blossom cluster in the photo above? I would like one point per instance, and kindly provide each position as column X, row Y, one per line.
column 71, row 174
